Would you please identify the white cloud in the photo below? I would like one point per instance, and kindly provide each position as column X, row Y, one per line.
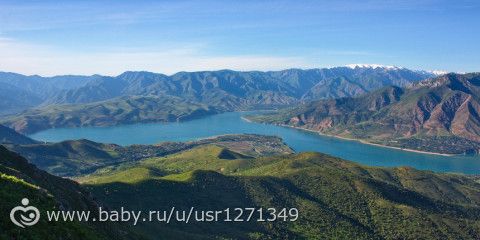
column 28, row 58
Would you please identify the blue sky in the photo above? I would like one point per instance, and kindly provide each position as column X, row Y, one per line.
column 109, row 37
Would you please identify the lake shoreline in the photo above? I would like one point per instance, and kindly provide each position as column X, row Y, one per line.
column 359, row 140
column 301, row 140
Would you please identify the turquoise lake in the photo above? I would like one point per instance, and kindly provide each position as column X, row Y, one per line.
column 232, row 123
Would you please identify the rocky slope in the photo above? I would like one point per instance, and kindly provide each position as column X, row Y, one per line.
column 439, row 115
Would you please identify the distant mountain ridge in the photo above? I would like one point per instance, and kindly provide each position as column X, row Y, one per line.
column 121, row 110
column 230, row 89
column 362, row 65
column 240, row 90
column 19, row 92
column 439, row 115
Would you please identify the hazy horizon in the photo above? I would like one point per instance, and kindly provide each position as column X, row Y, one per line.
column 436, row 72
column 108, row 37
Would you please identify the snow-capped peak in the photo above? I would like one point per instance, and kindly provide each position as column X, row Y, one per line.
column 434, row 72
column 438, row 72
column 374, row 66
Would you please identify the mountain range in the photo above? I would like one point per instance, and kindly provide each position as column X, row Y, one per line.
column 437, row 115
column 19, row 92
column 229, row 89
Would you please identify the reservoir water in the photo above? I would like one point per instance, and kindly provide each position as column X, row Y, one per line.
column 232, row 123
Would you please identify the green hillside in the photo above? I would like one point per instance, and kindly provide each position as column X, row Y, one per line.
column 206, row 157
column 19, row 179
column 123, row 110
column 336, row 199
column 77, row 157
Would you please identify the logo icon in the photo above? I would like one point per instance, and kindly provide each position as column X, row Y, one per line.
column 29, row 216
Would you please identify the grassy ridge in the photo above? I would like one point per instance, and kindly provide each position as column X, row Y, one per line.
column 77, row 157
column 336, row 199
column 19, row 179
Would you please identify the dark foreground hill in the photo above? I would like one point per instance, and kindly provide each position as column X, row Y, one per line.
column 336, row 199
column 19, row 179
column 437, row 115
column 10, row 136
